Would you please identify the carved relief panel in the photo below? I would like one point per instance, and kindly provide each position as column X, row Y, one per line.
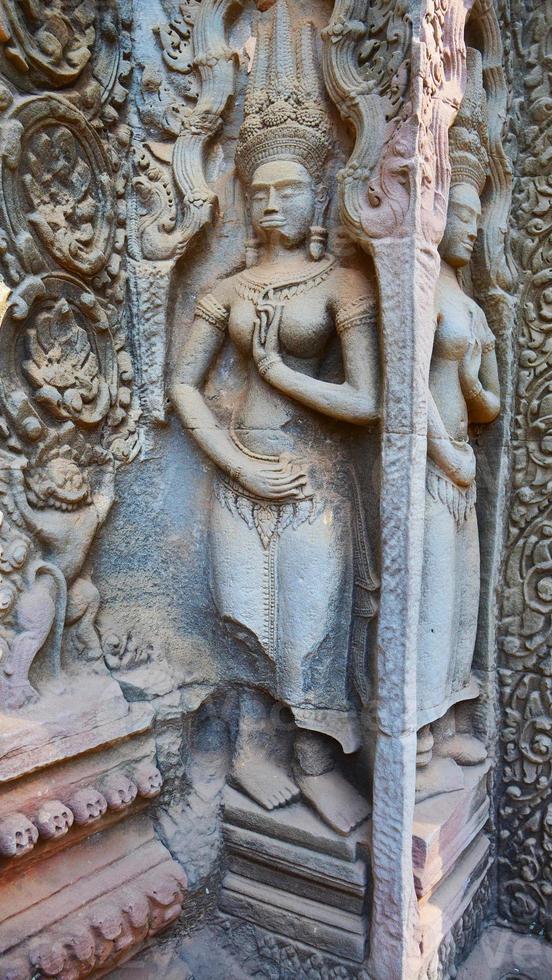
column 277, row 284
column 67, row 413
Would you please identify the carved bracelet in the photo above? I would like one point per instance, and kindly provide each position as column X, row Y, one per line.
column 266, row 363
column 474, row 391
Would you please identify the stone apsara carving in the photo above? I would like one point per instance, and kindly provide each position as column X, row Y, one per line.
column 393, row 203
column 273, row 492
column 464, row 354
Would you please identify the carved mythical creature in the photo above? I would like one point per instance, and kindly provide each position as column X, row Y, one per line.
column 63, row 499
column 32, row 598
column 463, row 389
column 285, row 518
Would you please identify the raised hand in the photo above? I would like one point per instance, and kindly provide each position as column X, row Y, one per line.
column 470, row 366
column 265, row 345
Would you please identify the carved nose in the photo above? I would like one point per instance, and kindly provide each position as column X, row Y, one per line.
column 272, row 203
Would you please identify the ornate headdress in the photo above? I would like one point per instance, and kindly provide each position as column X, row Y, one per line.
column 285, row 116
column 469, row 136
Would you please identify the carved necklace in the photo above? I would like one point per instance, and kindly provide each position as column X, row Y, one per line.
column 251, row 286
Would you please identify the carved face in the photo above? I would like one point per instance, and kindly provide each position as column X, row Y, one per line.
column 460, row 236
column 88, row 805
column 107, row 920
column 50, row 958
column 18, row 835
column 119, row 791
column 282, row 202
column 54, row 819
column 149, row 781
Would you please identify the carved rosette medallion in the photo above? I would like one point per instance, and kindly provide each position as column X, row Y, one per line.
column 65, row 198
column 62, row 355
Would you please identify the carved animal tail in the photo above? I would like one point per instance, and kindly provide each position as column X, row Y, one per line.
column 46, row 568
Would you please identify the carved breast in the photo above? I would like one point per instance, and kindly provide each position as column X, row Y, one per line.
column 454, row 328
column 305, row 327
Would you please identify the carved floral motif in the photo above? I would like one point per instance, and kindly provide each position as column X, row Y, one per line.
column 525, row 882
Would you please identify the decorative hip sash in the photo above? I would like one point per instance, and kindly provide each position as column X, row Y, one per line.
column 459, row 501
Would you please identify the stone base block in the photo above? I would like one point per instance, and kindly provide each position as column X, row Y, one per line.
column 289, row 873
column 445, row 826
column 445, row 907
column 66, row 723
column 89, row 908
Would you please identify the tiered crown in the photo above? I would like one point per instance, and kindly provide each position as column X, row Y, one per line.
column 469, row 136
column 285, row 117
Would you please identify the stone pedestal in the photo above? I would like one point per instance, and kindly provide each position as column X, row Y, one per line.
column 445, row 826
column 451, row 856
column 289, row 873
column 83, row 879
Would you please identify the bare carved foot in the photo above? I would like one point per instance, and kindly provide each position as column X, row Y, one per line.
column 440, row 776
column 268, row 783
column 465, row 749
column 338, row 802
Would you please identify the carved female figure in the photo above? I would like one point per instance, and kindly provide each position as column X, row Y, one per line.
column 463, row 389
column 284, row 517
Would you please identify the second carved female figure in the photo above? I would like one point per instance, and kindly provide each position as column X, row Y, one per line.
column 287, row 551
column 463, row 390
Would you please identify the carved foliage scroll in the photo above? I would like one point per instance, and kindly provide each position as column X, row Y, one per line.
column 181, row 103
column 525, row 812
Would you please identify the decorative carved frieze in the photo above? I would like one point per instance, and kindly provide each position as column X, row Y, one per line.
column 525, row 885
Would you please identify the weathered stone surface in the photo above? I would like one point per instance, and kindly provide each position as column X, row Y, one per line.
column 265, row 364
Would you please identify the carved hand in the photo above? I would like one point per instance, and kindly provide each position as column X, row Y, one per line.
column 458, row 461
column 273, row 481
column 266, row 350
column 470, row 367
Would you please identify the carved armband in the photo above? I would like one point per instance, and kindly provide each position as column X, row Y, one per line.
column 361, row 310
column 209, row 309
column 488, row 345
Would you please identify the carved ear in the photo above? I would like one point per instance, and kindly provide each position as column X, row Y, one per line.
column 322, row 198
